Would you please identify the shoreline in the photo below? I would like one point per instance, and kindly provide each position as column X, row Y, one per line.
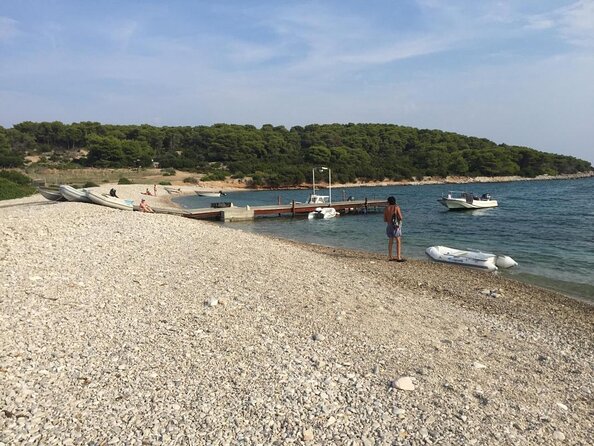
column 219, row 185
column 128, row 327
column 234, row 186
column 164, row 200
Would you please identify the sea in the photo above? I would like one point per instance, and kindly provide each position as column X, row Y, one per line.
column 547, row 226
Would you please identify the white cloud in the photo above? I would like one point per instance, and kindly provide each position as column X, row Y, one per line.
column 398, row 50
column 539, row 23
column 8, row 28
column 576, row 23
column 122, row 33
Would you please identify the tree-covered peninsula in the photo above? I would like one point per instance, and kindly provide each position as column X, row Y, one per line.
column 276, row 156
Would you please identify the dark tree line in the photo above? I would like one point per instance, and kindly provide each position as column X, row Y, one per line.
column 274, row 155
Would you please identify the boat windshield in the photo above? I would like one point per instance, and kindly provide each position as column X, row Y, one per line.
column 316, row 199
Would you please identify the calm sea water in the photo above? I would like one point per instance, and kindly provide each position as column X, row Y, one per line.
column 546, row 226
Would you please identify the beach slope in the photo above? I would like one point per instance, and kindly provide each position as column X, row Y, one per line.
column 131, row 328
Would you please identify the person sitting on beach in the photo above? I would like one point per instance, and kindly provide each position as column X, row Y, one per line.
column 144, row 206
column 112, row 193
column 146, row 192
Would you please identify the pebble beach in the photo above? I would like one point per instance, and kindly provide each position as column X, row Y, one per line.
column 151, row 329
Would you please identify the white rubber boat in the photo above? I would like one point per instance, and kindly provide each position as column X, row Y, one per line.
column 322, row 213
column 109, row 201
column 72, row 194
column 474, row 259
column 467, row 200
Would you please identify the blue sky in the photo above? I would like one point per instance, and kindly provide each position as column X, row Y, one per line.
column 516, row 72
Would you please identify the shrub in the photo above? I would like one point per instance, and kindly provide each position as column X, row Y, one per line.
column 15, row 177
column 192, row 180
column 124, row 180
column 214, row 176
column 165, row 183
column 169, row 172
column 90, row 184
column 10, row 190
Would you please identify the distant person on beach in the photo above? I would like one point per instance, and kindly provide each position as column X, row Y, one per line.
column 112, row 193
column 144, row 207
column 393, row 219
column 146, row 192
column 155, row 190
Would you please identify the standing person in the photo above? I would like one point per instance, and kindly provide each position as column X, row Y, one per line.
column 393, row 219
column 155, row 190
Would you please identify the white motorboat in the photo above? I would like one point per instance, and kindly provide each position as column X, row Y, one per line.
column 318, row 199
column 466, row 200
column 210, row 194
column 108, row 200
column 51, row 193
column 72, row 194
column 475, row 259
column 323, row 213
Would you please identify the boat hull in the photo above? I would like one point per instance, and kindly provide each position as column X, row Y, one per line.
column 51, row 194
column 461, row 204
column 112, row 202
column 72, row 194
column 209, row 194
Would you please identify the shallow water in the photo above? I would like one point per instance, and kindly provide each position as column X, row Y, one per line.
column 546, row 226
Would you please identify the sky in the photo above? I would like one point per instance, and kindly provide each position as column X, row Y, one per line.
column 515, row 72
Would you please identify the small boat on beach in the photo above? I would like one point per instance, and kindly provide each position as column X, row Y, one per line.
column 72, row 194
column 474, row 259
column 172, row 190
column 466, row 200
column 322, row 213
column 109, row 201
column 52, row 194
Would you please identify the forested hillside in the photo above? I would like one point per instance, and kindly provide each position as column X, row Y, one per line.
column 277, row 156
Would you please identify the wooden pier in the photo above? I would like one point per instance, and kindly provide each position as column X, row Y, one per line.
column 236, row 213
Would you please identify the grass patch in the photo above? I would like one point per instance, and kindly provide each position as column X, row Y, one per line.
column 10, row 190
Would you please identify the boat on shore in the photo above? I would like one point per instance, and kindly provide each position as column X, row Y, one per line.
column 72, row 194
column 109, row 201
column 474, row 259
column 467, row 200
column 172, row 190
column 52, row 194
